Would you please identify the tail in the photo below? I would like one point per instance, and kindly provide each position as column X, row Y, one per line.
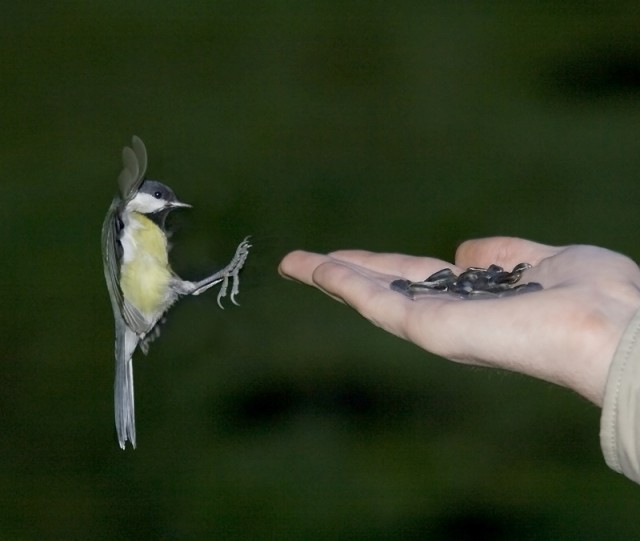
column 123, row 388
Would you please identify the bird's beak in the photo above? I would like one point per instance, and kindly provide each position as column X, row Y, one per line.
column 176, row 204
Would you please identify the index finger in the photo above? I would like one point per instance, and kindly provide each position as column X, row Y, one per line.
column 367, row 292
column 413, row 268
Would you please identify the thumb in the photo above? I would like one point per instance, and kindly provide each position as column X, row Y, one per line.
column 506, row 252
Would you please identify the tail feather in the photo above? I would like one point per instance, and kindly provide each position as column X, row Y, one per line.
column 124, row 401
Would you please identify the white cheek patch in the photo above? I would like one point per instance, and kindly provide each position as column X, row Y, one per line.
column 145, row 203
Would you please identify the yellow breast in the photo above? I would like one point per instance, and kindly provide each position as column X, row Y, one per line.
column 145, row 272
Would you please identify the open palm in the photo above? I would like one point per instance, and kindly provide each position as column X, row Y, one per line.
column 566, row 334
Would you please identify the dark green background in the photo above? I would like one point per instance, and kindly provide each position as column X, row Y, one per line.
column 393, row 126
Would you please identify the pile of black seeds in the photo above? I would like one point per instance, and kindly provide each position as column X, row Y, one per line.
column 474, row 282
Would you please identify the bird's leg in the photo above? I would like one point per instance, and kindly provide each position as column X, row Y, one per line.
column 230, row 272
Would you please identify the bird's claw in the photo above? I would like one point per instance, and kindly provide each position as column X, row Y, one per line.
column 232, row 272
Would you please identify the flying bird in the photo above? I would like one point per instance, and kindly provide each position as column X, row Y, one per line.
column 141, row 283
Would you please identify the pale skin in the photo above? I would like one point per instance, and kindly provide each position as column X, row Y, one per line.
column 565, row 334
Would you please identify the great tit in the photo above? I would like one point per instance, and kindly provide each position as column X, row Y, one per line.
column 142, row 286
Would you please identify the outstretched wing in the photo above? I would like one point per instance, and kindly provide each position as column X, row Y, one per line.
column 134, row 162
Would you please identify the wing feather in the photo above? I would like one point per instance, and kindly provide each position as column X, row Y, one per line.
column 111, row 256
column 134, row 168
column 134, row 162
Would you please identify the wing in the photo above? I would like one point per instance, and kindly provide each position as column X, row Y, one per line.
column 134, row 167
column 129, row 322
column 111, row 256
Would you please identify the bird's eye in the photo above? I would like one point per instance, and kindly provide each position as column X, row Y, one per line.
column 157, row 195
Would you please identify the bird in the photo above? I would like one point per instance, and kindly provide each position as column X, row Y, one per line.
column 141, row 283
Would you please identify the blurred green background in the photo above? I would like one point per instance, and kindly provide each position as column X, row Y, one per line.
column 391, row 126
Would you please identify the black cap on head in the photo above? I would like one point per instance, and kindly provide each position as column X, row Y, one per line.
column 158, row 190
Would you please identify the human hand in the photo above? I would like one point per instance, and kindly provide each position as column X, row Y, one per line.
column 566, row 334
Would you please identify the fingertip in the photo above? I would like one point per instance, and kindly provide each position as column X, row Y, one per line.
column 296, row 260
column 289, row 262
column 350, row 285
column 328, row 269
column 299, row 265
column 329, row 276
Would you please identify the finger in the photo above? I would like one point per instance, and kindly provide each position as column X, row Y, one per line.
column 367, row 293
column 399, row 265
column 447, row 326
column 506, row 252
column 299, row 265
